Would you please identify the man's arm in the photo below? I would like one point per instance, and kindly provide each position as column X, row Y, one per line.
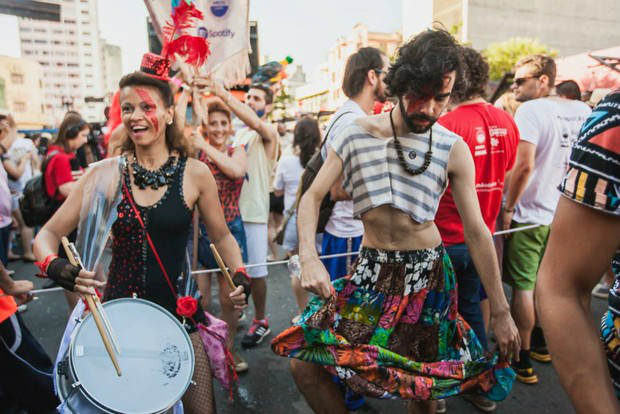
column 580, row 249
column 480, row 244
column 314, row 276
column 519, row 177
column 266, row 130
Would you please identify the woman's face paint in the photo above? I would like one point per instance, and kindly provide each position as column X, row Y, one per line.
column 150, row 111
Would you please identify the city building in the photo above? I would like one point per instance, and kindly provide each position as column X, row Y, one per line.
column 331, row 72
column 482, row 22
column 113, row 67
column 70, row 52
column 21, row 91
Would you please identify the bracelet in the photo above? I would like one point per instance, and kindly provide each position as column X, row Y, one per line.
column 228, row 98
column 45, row 264
column 509, row 210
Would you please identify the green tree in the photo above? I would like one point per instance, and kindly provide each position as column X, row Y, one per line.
column 502, row 56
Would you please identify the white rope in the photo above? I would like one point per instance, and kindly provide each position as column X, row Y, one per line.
column 330, row 256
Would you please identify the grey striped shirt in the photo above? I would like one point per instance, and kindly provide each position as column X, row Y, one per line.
column 374, row 177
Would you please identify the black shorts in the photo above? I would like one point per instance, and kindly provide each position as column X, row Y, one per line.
column 276, row 204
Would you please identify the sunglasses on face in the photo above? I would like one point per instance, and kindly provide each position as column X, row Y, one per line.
column 521, row 81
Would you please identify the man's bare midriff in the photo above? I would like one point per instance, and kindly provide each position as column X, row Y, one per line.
column 388, row 228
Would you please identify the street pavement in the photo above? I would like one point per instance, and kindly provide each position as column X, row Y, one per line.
column 268, row 388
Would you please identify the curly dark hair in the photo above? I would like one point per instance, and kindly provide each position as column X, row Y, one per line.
column 175, row 140
column 477, row 74
column 422, row 63
column 306, row 137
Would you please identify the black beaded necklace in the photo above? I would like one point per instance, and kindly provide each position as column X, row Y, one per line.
column 160, row 177
column 428, row 156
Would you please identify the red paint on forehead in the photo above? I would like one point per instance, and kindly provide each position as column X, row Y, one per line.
column 151, row 115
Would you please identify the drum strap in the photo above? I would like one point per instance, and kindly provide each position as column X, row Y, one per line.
column 148, row 238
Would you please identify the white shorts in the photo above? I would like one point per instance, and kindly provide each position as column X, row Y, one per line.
column 258, row 245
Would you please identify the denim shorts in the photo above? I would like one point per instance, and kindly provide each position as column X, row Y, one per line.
column 205, row 256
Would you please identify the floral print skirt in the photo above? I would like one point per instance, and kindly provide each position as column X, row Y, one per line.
column 392, row 330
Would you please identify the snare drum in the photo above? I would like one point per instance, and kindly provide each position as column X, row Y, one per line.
column 157, row 361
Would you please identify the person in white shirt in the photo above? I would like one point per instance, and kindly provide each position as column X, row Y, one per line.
column 363, row 85
column 306, row 140
column 548, row 126
column 16, row 148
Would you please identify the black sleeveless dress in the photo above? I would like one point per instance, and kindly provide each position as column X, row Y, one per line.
column 134, row 269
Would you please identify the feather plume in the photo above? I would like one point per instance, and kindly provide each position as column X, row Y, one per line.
column 194, row 49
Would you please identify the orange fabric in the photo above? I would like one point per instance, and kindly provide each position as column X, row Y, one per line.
column 7, row 307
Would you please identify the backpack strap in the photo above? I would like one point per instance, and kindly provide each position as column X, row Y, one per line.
column 331, row 126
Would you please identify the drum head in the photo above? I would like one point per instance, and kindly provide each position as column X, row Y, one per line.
column 156, row 359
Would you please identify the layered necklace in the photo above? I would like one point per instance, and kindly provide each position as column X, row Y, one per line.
column 160, row 177
column 428, row 156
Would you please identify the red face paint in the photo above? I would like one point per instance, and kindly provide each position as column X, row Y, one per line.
column 151, row 114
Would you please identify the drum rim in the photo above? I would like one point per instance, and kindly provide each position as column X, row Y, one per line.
column 83, row 390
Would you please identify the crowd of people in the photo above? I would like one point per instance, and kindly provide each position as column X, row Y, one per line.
column 418, row 190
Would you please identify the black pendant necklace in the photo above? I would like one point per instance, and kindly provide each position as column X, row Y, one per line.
column 428, row 155
column 160, row 177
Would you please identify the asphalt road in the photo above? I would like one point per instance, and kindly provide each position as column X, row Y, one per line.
column 268, row 388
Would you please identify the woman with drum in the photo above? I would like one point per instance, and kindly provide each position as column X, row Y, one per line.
column 161, row 186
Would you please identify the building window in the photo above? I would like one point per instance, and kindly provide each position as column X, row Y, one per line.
column 19, row 106
column 17, row 78
column 40, row 41
column 70, row 21
column 87, row 44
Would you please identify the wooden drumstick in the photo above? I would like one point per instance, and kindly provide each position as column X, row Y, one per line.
column 95, row 312
column 223, row 268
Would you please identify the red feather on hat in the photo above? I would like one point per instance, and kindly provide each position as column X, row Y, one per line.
column 195, row 49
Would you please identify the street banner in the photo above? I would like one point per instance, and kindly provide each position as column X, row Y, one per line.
column 226, row 27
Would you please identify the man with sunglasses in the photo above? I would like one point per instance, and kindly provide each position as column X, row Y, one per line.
column 548, row 126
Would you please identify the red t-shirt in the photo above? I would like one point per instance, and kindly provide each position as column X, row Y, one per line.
column 59, row 170
column 492, row 137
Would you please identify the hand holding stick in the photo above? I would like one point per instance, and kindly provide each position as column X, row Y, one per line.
column 94, row 309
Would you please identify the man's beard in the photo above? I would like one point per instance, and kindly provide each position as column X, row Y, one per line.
column 380, row 94
column 409, row 119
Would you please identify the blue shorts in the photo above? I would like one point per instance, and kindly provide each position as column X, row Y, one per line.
column 338, row 267
column 205, row 256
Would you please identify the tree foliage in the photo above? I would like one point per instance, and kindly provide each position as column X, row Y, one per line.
column 502, row 56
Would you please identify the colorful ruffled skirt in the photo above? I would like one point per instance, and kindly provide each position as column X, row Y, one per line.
column 392, row 330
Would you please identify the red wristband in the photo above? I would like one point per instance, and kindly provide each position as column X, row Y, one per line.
column 44, row 265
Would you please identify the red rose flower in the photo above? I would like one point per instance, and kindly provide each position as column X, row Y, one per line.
column 187, row 306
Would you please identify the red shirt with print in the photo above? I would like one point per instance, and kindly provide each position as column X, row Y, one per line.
column 492, row 137
column 61, row 168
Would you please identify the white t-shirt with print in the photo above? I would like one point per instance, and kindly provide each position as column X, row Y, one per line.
column 288, row 175
column 341, row 223
column 20, row 147
column 552, row 125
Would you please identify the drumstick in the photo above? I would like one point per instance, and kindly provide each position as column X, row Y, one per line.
column 223, row 268
column 95, row 312
column 104, row 317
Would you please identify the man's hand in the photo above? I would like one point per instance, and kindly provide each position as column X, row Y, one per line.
column 238, row 298
column 506, row 334
column 19, row 289
column 314, row 277
column 506, row 217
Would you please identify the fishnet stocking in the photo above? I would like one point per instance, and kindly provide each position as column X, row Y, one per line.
column 198, row 398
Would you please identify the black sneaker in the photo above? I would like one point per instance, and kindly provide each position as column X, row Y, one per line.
column 538, row 349
column 257, row 332
column 523, row 368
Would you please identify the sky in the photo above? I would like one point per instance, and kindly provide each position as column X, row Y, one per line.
column 303, row 29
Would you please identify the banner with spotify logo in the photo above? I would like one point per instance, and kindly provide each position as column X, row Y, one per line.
column 225, row 25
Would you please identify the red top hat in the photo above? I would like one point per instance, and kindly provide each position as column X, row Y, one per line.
column 155, row 66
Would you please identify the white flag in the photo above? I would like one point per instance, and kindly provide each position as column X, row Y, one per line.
column 226, row 27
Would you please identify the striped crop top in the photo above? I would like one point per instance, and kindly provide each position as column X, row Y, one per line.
column 374, row 177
